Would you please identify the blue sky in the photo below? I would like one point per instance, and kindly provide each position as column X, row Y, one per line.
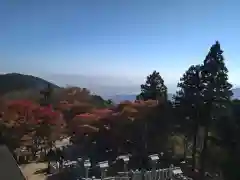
column 126, row 39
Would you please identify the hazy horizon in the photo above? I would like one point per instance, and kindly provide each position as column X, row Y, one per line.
column 115, row 43
column 101, row 85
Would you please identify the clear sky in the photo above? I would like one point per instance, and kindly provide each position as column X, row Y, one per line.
column 117, row 38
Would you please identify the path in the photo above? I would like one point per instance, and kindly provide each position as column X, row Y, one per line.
column 30, row 169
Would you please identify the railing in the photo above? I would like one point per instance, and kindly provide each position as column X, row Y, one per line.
column 159, row 174
column 171, row 173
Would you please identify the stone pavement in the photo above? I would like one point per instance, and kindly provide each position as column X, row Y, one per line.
column 32, row 171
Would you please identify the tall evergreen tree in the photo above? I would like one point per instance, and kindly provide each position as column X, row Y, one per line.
column 217, row 89
column 154, row 87
column 188, row 103
column 216, row 92
column 204, row 95
column 150, row 124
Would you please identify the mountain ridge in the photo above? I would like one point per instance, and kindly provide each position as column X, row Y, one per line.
column 16, row 81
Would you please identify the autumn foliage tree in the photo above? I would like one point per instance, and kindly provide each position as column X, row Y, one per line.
column 28, row 124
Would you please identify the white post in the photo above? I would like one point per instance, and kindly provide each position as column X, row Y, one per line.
column 154, row 159
column 86, row 173
column 171, row 171
column 87, row 165
column 125, row 159
column 103, row 166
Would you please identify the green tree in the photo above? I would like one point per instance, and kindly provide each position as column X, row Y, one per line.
column 204, row 97
column 109, row 103
column 228, row 134
column 188, row 102
column 216, row 93
column 154, row 87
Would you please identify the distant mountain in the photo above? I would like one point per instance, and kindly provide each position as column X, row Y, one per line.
column 132, row 97
column 122, row 97
column 236, row 93
column 102, row 85
column 129, row 97
column 14, row 82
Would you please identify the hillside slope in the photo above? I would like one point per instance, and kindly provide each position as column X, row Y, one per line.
column 14, row 82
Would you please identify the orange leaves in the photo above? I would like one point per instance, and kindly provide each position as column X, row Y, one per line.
column 138, row 104
column 79, row 108
column 73, row 94
column 63, row 105
column 145, row 104
column 151, row 103
column 83, row 123
column 129, row 109
column 135, row 110
column 85, row 118
column 102, row 113
column 88, row 122
column 95, row 115
column 88, row 129
column 129, row 112
column 123, row 104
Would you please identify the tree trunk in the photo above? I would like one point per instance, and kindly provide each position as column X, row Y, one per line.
column 204, row 153
column 48, row 167
column 194, row 147
column 185, row 147
column 146, row 137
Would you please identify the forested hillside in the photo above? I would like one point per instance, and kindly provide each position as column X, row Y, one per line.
column 15, row 82
column 201, row 125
